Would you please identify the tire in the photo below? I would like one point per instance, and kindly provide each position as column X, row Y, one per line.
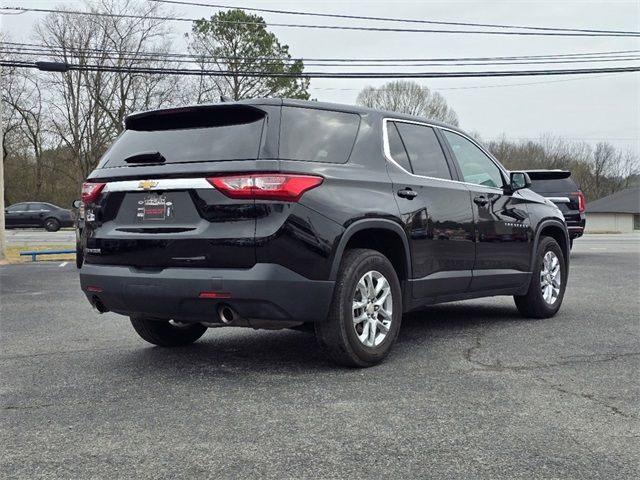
column 338, row 335
column 166, row 334
column 533, row 303
column 79, row 255
column 79, row 248
column 51, row 225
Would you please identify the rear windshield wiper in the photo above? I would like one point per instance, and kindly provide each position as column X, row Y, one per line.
column 146, row 157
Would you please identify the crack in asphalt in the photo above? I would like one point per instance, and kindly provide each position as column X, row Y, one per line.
column 28, row 407
column 579, row 359
column 587, row 396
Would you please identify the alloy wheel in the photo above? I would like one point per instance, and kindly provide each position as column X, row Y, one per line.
column 372, row 308
column 550, row 278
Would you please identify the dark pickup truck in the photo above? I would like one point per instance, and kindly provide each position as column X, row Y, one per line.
column 561, row 189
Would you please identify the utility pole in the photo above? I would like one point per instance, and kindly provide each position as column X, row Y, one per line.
column 2, row 239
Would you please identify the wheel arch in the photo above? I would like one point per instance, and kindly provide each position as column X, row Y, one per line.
column 557, row 230
column 382, row 235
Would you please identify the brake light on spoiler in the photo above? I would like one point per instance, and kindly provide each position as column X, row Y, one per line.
column 266, row 186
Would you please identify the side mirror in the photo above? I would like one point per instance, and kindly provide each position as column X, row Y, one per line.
column 76, row 203
column 518, row 181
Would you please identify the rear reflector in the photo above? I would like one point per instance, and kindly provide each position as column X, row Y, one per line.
column 91, row 191
column 214, row 295
column 94, row 289
column 266, row 186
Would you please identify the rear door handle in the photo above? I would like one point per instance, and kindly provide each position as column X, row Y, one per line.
column 407, row 193
column 480, row 200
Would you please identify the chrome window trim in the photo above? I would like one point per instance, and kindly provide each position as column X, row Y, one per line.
column 162, row 184
column 388, row 157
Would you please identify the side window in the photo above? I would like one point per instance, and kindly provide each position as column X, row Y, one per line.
column 315, row 135
column 475, row 165
column 36, row 207
column 396, row 147
column 425, row 152
column 18, row 207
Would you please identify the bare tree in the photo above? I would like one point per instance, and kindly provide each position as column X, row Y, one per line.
column 604, row 157
column 613, row 169
column 141, row 41
column 627, row 170
column 408, row 97
column 598, row 171
column 10, row 118
column 23, row 96
column 23, row 130
column 76, row 116
column 10, row 124
column 89, row 104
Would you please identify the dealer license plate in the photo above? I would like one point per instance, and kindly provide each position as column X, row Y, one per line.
column 154, row 207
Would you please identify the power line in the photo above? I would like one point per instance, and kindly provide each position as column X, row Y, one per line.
column 585, row 138
column 327, row 27
column 474, row 87
column 39, row 47
column 388, row 19
column 265, row 62
column 340, row 75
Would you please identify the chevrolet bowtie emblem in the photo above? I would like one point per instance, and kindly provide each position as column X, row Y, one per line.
column 147, row 184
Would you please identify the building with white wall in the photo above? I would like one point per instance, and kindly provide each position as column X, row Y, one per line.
column 618, row 213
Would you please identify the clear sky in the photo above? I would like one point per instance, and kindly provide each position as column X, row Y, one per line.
column 589, row 108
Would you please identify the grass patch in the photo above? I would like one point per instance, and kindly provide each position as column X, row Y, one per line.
column 13, row 253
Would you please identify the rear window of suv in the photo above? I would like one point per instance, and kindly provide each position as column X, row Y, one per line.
column 556, row 185
column 197, row 134
column 316, row 135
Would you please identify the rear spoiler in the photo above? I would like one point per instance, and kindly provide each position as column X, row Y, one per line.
column 197, row 116
column 548, row 174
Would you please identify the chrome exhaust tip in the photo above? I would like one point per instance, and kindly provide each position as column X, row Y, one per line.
column 227, row 314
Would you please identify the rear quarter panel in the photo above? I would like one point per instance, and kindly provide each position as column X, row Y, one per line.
column 357, row 190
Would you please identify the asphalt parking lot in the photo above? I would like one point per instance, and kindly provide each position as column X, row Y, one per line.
column 471, row 390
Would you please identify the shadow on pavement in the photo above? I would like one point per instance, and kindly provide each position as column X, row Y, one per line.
column 289, row 351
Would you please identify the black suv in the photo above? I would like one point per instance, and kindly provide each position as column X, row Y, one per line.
column 558, row 187
column 275, row 213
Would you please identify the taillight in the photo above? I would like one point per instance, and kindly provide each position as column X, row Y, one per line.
column 580, row 200
column 266, row 186
column 91, row 191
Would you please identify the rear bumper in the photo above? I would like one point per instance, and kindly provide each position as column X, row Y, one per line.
column 575, row 225
column 575, row 232
column 265, row 291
